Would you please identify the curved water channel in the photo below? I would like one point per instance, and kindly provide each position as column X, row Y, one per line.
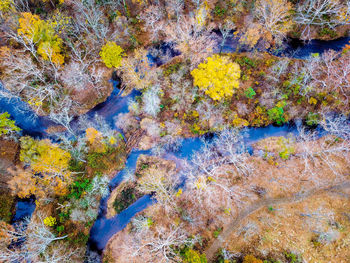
column 104, row 228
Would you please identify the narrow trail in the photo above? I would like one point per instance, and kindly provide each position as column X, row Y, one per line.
column 230, row 227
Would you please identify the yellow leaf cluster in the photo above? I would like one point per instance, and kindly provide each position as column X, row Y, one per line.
column 6, row 6
column 59, row 1
column 51, row 160
column 35, row 102
column 201, row 183
column 344, row 15
column 111, row 54
column 239, row 122
column 179, row 192
column 43, row 34
column 313, row 101
column 50, row 221
column 201, row 15
column 49, row 164
column 218, row 77
column 53, row 164
column 112, row 140
column 251, row 259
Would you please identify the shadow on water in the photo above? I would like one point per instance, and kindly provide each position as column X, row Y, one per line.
column 293, row 48
column 298, row 49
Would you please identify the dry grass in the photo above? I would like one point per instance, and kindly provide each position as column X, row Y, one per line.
column 298, row 227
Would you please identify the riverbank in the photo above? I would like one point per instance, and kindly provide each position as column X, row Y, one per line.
column 279, row 176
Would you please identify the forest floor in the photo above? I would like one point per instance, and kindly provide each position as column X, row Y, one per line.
column 232, row 226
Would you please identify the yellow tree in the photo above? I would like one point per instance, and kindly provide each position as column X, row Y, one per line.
column 112, row 54
column 218, row 77
column 6, row 6
column 49, row 164
column 43, row 35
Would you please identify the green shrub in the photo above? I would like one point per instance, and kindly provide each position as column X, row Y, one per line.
column 217, row 232
column 326, row 31
column 79, row 187
column 6, row 207
column 246, row 62
column 312, row 119
column 219, row 11
column 250, row 93
column 292, row 258
column 6, row 125
column 95, row 161
column 286, row 148
column 76, row 166
column 172, row 69
column 127, row 197
column 276, row 114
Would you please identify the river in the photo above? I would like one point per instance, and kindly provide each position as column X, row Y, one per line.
column 104, row 228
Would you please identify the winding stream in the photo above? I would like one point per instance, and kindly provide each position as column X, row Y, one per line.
column 104, row 229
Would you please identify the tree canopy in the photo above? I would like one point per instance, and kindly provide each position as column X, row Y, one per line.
column 218, row 77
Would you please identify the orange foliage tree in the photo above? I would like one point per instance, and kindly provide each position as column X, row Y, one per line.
column 94, row 137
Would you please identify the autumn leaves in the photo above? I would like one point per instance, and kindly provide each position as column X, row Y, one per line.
column 218, row 77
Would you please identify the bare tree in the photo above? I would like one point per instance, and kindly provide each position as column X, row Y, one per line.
column 274, row 17
column 159, row 184
column 61, row 253
column 330, row 13
column 62, row 113
column 160, row 244
column 145, row 75
column 230, row 145
column 151, row 100
column 194, row 41
column 153, row 16
column 91, row 20
column 330, row 72
column 225, row 28
column 25, row 79
column 329, row 152
column 33, row 238
column 175, row 8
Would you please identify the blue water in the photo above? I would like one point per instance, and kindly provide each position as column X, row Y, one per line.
column 292, row 48
column 297, row 49
column 104, row 229
column 30, row 123
column 24, row 209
